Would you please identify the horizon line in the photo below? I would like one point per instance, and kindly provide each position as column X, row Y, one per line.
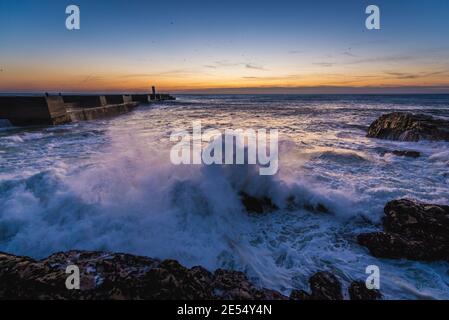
column 255, row 90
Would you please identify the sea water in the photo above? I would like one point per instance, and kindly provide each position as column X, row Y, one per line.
column 110, row 185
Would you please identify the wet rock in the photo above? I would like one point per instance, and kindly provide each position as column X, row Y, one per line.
column 412, row 230
column 120, row 276
column 410, row 154
column 358, row 291
column 300, row 295
column 405, row 126
column 402, row 153
column 257, row 205
column 224, row 287
column 323, row 286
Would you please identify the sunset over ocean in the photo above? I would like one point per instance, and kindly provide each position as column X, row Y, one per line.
column 249, row 47
column 225, row 159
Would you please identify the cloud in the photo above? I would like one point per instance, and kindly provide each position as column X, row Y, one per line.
column 271, row 78
column 90, row 78
column 324, row 64
column 227, row 63
column 348, row 54
column 254, row 67
column 391, row 58
column 406, row 75
column 175, row 72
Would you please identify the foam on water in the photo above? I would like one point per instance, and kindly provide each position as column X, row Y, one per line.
column 109, row 185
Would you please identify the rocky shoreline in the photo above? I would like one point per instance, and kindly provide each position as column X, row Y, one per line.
column 118, row 276
column 412, row 230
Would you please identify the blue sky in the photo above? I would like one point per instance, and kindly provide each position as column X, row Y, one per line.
column 196, row 45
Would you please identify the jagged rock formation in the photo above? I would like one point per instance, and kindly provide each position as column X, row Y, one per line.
column 257, row 205
column 326, row 286
column 358, row 291
column 412, row 230
column 405, row 126
column 121, row 276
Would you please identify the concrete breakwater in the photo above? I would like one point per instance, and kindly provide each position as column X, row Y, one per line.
column 54, row 110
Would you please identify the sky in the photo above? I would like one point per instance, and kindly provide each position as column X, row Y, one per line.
column 225, row 46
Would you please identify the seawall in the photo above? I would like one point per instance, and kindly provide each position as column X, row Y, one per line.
column 54, row 110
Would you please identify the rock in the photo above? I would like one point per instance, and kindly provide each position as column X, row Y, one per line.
column 323, row 286
column 358, row 291
column 121, row 276
column 412, row 230
column 402, row 153
column 300, row 295
column 257, row 205
column 409, row 127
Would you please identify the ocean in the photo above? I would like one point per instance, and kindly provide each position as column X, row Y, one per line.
column 109, row 185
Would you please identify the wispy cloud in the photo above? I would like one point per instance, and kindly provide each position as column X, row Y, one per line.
column 254, row 66
column 391, row 58
column 380, row 59
column 90, row 78
column 273, row 78
column 349, row 54
column 406, row 75
column 227, row 63
column 175, row 72
column 324, row 64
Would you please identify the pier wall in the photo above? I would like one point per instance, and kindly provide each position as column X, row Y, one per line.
column 142, row 98
column 101, row 112
column 23, row 111
column 77, row 101
column 52, row 110
column 114, row 99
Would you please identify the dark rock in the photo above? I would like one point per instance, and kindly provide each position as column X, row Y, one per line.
column 412, row 230
column 300, row 295
column 120, row 276
column 257, row 205
column 323, row 286
column 410, row 154
column 358, row 291
column 409, row 127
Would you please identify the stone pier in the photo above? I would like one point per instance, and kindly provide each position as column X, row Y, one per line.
column 53, row 110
